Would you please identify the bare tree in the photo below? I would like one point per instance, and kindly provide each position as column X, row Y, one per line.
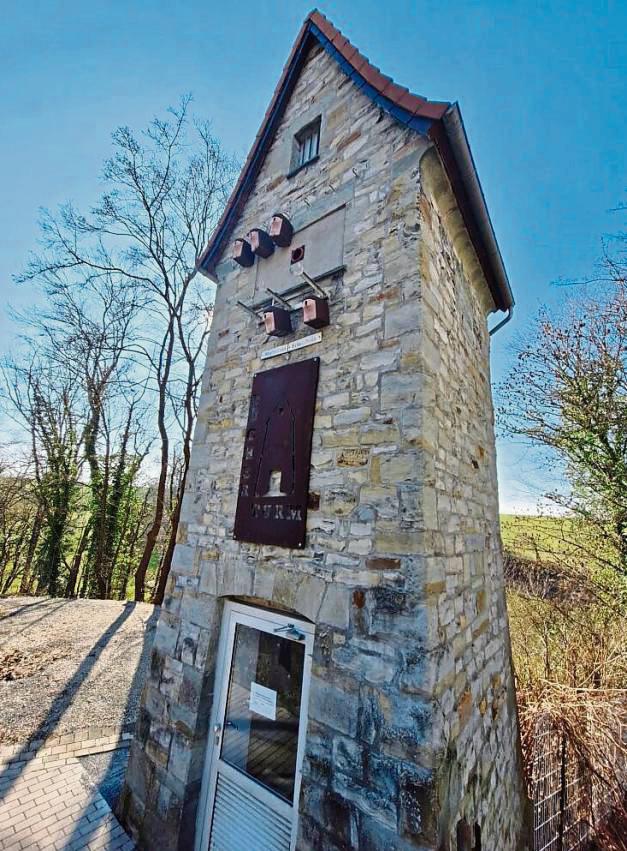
column 567, row 395
column 19, row 525
column 184, row 396
column 163, row 195
column 137, row 513
column 46, row 402
column 85, row 329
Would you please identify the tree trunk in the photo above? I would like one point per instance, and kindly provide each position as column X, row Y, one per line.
column 98, row 485
column 27, row 576
column 70, row 588
column 159, row 592
column 50, row 557
column 84, row 583
column 132, row 545
column 164, row 573
column 155, row 528
column 16, row 559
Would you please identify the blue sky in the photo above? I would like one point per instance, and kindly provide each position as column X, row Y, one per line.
column 542, row 88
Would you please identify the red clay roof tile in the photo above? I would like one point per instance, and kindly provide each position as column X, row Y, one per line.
column 410, row 102
column 324, row 24
column 340, row 42
column 393, row 91
column 384, row 85
column 432, row 109
column 349, row 51
column 372, row 74
column 359, row 62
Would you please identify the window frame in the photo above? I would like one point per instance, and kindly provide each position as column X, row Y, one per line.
column 306, row 147
column 233, row 613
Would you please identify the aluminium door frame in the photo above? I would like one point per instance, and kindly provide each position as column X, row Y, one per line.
column 234, row 613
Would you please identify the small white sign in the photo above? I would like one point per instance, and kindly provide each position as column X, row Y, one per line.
column 262, row 701
column 311, row 340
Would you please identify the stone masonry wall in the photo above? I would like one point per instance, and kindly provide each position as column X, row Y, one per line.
column 480, row 780
column 411, row 716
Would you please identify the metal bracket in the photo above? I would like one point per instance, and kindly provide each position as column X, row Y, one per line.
column 314, row 285
column 249, row 310
column 279, row 298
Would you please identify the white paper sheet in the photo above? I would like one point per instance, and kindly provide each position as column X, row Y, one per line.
column 262, row 701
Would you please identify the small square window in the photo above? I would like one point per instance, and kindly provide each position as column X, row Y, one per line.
column 307, row 144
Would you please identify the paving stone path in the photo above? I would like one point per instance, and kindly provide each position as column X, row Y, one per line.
column 46, row 807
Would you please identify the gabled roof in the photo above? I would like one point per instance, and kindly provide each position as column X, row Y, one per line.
column 441, row 121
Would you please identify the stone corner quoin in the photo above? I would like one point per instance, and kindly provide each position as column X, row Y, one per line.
column 411, row 727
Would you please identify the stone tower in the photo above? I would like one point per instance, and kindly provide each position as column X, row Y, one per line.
column 331, row 668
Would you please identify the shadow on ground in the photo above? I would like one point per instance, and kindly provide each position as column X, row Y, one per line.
column 105, row 770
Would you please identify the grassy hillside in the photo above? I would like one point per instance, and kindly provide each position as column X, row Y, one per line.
column 566, row 621
column 539, row 538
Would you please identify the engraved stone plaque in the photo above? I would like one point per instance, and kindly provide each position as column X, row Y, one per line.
column 274, row 480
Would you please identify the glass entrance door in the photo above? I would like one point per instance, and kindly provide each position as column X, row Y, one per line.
column 258, row 731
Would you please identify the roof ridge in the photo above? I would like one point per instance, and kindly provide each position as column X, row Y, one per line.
column 413, row 110
column 429, row 118
column 384, row 84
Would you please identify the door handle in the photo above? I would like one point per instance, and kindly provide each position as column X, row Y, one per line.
column 217, row 730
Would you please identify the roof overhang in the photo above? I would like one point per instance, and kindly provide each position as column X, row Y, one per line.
column 451, row 141
column 440, row 121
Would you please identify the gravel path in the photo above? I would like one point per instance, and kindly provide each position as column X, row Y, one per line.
column 66, row 665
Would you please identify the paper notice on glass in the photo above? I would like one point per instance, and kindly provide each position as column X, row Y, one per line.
column 262, row 701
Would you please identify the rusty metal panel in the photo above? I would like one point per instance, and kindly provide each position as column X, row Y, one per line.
column 274, row 480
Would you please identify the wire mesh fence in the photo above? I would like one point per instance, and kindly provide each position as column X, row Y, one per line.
column 568, row 800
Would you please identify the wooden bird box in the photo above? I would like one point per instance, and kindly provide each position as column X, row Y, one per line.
column 260, row 242
column 243, row 253
column 277, row 321
column 281, row 230
column 316, row 311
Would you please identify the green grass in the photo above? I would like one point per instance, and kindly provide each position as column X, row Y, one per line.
column 540, row 537
column 567, row 639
